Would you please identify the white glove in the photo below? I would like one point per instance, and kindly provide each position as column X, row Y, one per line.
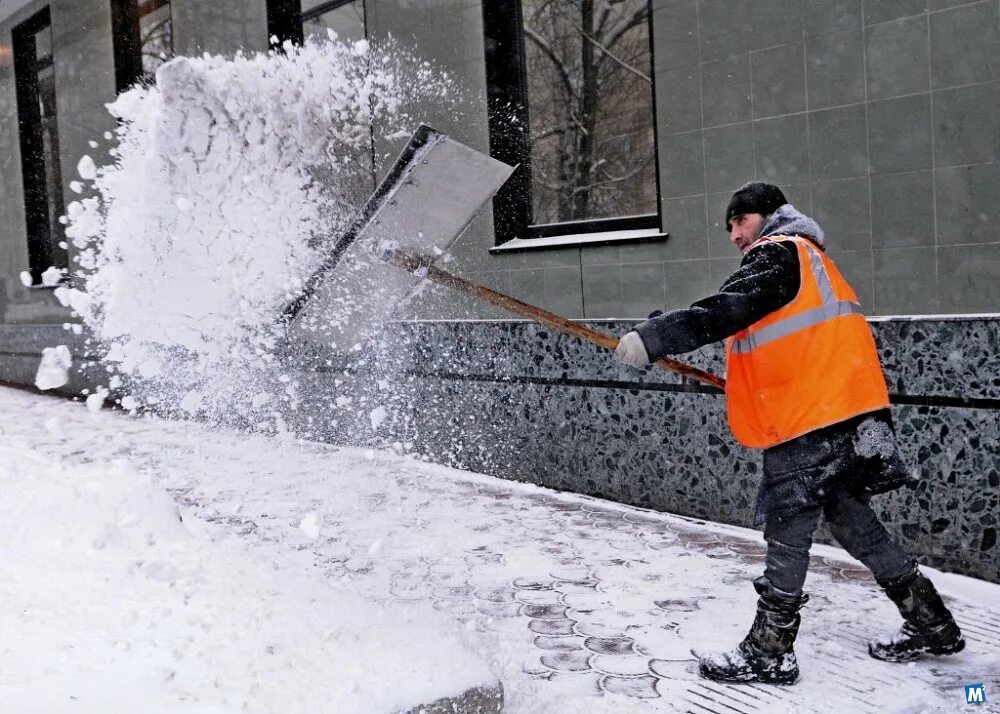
column 631, row 351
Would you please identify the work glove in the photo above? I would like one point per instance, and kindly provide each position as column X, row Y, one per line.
column 631, row 350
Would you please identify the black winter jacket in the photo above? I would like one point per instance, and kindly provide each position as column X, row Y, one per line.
column 767, row 279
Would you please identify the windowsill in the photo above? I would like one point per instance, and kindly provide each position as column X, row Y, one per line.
column 65, row 282
column 646, row 235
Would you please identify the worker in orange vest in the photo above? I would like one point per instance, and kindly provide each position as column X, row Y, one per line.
column 804, row 384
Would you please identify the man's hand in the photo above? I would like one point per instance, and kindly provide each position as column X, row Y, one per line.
column 631, row 351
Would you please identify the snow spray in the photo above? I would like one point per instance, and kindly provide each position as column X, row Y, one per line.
column 230, row 178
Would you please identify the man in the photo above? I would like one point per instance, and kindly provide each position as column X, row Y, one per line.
column 804, row 384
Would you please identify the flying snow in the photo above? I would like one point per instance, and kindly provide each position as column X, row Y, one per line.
column 231, row 179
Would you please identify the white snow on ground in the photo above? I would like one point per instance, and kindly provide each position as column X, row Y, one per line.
column 112, row 604
column 289, row 551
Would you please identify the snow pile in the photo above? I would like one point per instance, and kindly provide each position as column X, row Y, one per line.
column 113, row 604
column 231, row 179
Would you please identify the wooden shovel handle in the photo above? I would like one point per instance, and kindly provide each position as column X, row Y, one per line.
column 424, row 267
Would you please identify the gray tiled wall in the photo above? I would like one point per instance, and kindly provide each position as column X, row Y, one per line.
column 878, row 117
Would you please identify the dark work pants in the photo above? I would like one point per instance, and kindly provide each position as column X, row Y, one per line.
column 855, row 526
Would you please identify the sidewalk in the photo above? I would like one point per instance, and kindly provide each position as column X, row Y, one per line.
column 577, row 604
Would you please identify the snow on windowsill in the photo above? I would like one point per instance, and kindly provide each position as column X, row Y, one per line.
column 581, row 239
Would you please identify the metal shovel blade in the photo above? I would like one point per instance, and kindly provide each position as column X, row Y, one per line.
column 431, row 195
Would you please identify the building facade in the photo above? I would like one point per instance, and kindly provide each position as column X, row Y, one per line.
column 634, row 123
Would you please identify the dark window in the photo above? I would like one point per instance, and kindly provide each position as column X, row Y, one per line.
column 143, row 39
column 36, row 111
column 284, row 21
column 571, row 100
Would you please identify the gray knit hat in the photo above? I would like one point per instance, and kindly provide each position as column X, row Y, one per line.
column 755, row 197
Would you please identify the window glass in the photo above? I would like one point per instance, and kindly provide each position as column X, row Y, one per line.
column 590, row 109
column 50, row 151
column 155, row 33
column 43, row 44
column 143, row 39
column 347, row 20
column 35, row 84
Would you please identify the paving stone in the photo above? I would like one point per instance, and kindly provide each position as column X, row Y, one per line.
column 567, row 661
column 578, row 588
column 495, row 594
column 568, row 643
column 643, row 687
column 610, row 645
column 530, row 584
column 586, row 681
column 570, row 575
column 627, row 666
column 552, row 627
column 591, row 629
column 677, row 605
column 586, row 601
column 671, row 669
column 498, row 609
column 539, row 597
column 545, row 612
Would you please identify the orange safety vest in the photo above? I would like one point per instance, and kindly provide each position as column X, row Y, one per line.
column 807, row 365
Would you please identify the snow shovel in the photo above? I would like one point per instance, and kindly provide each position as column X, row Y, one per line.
column 434, row 190
column 424, row 267
column 430, row 196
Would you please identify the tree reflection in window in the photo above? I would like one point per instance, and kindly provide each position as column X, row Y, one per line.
column 156, row 35
column 590, row 109
column 143, row 39
column 35, row 83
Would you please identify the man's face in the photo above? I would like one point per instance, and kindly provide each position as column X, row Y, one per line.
column 743, row 229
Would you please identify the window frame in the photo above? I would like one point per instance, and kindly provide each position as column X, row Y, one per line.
column 509, row 133
column 42, row 237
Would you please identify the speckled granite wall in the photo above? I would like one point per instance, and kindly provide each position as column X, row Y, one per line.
column 516, row 400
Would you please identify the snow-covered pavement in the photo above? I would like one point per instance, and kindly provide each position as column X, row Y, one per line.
column 577, row 604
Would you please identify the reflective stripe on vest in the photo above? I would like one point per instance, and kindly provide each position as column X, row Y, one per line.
column 829, row 310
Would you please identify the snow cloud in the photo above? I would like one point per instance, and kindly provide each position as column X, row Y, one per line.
column 230, row 179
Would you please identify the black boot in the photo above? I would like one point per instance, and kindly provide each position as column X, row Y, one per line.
column 765, row 655
column 928, row 626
